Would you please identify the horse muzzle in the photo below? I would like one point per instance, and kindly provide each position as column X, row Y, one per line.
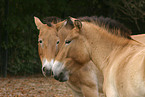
column 59, row 72
column 61, row 77
column 47, row 72
column 47, row 68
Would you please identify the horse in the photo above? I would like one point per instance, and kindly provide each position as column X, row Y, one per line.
column 45, row 36
column 46, row 40
column 48, row 46
column 119, row 57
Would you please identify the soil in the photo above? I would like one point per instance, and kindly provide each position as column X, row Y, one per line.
column 33, row 86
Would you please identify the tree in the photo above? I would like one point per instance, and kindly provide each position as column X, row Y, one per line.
column 131, row 12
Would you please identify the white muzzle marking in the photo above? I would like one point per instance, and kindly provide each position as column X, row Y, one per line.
column 57, row 67
column 60, row 72
column 47, row 64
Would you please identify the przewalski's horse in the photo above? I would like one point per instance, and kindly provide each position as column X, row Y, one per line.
column 87, row 81
column 48, row 44
column 87, row 76
column 120, row 58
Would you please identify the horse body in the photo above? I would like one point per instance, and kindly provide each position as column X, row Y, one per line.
column 124, row 70
column 120, row 59
column 125, row 75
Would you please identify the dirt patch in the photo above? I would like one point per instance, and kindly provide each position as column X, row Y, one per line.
column 34, row 86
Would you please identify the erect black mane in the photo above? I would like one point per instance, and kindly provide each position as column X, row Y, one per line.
column 49, row 20
column 111, row 25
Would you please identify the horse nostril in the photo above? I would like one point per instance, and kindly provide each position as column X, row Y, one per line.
column 61, row 77
column 44, row 69
column 61, row 74
column 56, row 77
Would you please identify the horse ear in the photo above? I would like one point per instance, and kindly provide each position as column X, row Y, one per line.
column 78, row 24
column 38, row 22
column 69, row 23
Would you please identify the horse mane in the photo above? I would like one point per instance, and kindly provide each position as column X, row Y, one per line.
column 51, row 19
column 109, row 24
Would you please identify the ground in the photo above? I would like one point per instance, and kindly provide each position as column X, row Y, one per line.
column 33, row 86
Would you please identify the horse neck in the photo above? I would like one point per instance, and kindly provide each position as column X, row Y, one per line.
column 101, row 44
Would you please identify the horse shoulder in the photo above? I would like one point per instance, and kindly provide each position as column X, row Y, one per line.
column 125, row 72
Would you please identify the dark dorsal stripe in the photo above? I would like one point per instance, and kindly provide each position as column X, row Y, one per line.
column 49, row 20
column 111, row 25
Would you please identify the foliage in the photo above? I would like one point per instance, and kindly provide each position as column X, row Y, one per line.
column 22, row 46
column 130, row 12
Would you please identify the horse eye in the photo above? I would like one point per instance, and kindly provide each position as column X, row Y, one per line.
column 40, row 41
column 57, row 42
column 67, row 42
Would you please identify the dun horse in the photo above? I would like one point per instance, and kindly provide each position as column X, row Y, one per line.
column 47, row 45
column 120, row 58
column 80, row 84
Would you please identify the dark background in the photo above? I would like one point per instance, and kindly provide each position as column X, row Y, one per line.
column 19, row 35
